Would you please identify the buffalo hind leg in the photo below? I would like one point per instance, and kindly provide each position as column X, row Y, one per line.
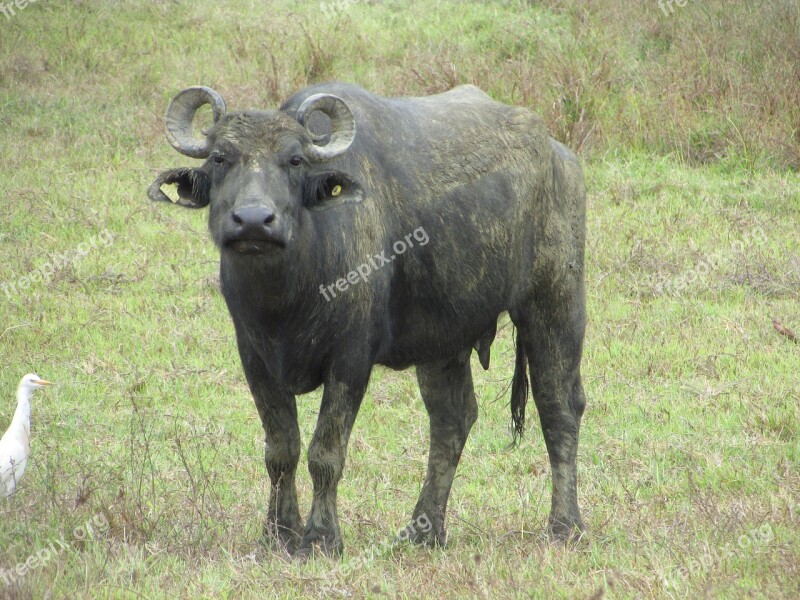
column 552, row 332
column 278, row 413
column 446, row 388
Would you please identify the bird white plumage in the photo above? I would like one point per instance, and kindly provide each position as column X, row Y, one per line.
column 15, row 445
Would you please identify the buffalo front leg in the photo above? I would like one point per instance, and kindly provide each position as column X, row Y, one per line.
column 326, row 455
column 446, row 388
column 552, row 332
column 278, row 413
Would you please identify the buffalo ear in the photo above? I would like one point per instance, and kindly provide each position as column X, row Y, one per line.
column 329, row 189
column 194, row 187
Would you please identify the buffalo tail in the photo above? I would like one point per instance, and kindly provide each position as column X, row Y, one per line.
column 519, row 389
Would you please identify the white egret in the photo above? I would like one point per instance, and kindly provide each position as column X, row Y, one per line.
column 15, row 445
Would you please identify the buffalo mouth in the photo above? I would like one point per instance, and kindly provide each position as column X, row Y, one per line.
column 253, row 246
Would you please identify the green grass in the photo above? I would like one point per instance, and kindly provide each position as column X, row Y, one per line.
column 690, row 443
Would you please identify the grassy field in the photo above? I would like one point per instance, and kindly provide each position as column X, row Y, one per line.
column 146, row 478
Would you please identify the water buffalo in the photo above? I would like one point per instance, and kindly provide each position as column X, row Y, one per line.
column 320, row 210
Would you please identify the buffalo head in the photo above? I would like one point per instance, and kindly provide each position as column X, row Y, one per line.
column 262, row 170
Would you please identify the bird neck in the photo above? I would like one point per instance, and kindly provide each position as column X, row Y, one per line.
column 22, row 416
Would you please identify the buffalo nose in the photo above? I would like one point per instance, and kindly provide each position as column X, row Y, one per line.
column 253, row 216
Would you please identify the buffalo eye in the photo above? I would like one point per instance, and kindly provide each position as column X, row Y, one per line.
column 218, row 159
column 296, row 160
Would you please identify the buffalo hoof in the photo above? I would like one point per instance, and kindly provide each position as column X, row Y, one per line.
column 424, row 531
column 277, row 538
column 319, row 544
column 565, row 529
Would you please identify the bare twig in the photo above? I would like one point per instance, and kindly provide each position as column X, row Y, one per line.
column 785, row 331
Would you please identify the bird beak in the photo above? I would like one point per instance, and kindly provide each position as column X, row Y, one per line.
column 43, row 382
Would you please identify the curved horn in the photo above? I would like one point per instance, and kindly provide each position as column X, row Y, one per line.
column 343, row 124
column 180, row 116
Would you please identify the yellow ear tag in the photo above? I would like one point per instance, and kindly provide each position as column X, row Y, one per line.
column 337, row 189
